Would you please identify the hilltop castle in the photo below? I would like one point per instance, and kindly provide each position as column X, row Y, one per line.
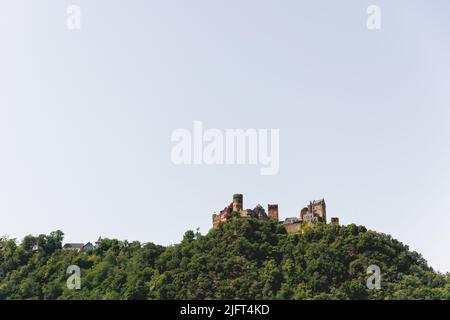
column 315, row 211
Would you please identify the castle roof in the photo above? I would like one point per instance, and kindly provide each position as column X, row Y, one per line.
column 291, row 220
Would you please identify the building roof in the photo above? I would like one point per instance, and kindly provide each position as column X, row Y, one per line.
column 73, row 246
column 88, row 246
column 291, row 220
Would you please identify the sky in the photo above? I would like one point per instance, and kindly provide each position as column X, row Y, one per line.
column 86, row 116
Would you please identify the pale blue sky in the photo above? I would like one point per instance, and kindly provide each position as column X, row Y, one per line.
column 86, row 116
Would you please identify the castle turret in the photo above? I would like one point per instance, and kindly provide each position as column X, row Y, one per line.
column 237, row 202
column 216, row 220
column 335, row 220
column 319, row 209
column 273, row 211
column 303, row 212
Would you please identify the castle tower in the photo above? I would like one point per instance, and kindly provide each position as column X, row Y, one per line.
column 215, row 220
column 273, row 211
column 238, row 202
column 335, row 220
column 318, row 208
column 303, row 212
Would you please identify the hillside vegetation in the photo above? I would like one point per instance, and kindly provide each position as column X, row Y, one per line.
column 242, row 259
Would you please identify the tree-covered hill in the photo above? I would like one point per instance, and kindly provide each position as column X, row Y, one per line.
column 242, row 259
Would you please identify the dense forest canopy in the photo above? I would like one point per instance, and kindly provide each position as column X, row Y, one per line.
column 242, row 259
